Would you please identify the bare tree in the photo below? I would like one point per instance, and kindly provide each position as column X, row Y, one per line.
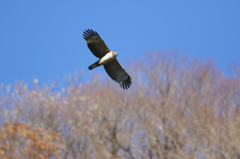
column 177, row 108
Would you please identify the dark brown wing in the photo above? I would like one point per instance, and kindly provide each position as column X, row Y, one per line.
column 118, row 74
column 94, row 42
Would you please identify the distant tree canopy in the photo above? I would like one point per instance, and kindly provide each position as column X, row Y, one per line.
column 177, row 108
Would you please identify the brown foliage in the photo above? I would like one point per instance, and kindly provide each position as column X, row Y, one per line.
column 18, row 141
column 177, row 108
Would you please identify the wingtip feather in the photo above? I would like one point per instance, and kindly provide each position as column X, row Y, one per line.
column 88, row 33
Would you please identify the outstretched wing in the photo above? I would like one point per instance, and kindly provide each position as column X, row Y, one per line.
column 118, row 74
column 94, row 42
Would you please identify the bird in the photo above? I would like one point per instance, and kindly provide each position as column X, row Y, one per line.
column 107, row 58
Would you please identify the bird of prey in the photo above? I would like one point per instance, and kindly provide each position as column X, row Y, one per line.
column 107, row 58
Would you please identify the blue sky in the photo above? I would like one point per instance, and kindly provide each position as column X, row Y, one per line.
column 43, row 39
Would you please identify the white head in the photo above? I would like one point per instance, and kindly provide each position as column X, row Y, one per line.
column 115, row 53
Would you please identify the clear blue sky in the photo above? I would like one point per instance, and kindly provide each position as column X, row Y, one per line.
column 43, row 39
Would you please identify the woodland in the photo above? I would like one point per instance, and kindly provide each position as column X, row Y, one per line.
column 176, row 108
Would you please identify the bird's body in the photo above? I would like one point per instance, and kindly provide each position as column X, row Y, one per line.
column 104, row 60
column 107, row 58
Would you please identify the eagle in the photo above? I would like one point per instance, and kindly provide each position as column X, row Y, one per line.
column 107, row 58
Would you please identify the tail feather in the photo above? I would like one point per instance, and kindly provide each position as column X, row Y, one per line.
column 94, row 66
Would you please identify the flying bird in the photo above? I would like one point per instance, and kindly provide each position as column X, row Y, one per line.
column 107, row 58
